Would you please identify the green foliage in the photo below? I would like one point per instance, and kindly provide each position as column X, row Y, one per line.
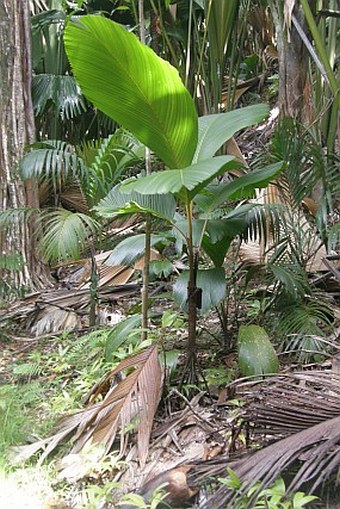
column 242, row 187
column 53, row 161
column 210, row 281
column 17, row 421
column 302, row 323
column 215, row 130
column 97, row 495
column 256, row 355
column 65, row 234
column 143, row 93
column 8, row 217
column 132, row 85
column 274, row 497
column 120, row 334
column 135, row 500
column 117, row 202
column 131, row 249
column 93, row 169
column 60, row 91
column 191, row 179
column 334, row 236
column 108, row 160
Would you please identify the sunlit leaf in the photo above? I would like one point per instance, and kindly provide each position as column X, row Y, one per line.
column 131, row 84
column 119, row 203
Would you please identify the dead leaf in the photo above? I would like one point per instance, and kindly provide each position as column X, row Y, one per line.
column 134, row 399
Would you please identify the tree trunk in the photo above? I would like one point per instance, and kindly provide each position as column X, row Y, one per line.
column 294, row 87
column 17, row 130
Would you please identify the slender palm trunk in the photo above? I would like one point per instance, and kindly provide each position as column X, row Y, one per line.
column 146, row 267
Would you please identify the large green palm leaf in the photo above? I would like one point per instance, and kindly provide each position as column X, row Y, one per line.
column 192, row 179
column 130, row 83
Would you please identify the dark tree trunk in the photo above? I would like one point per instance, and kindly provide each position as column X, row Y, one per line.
column 16, row 131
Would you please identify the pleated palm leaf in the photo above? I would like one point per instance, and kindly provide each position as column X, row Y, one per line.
column 77, row 183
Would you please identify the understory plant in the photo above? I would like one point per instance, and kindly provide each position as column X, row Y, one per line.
column 304, row 202
column 143, row 93
column 274, row 497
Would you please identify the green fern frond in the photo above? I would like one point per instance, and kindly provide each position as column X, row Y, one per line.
column 65, row 234
column 28, row 370
column 92, row 342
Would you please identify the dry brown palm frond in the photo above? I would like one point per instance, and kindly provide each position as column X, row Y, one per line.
column 301, row 411
column 133, row 400
column 285, row 404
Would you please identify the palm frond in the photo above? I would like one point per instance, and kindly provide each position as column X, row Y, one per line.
column 264, row 224
column 46, row 17
column 111, row 159
column 293, row 279
column 134, row 398
column 65, row 234
column 60, row 91
column 301, row 411
column 54, row 161
column 302, row 324
column 37, row 5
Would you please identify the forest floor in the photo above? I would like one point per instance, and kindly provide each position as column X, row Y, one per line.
column 43, row 378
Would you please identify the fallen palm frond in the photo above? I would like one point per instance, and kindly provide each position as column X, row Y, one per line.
column 55, row 310
column 302, row 412
column 130, row 402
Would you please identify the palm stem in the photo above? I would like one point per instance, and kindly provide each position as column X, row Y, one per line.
column 146, row 267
